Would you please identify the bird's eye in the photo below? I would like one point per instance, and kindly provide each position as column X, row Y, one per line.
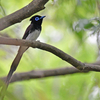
column 37, row 18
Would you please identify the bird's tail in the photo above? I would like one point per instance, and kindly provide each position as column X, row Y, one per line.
column 13, row 66
column 12, row 69
column 15, row 63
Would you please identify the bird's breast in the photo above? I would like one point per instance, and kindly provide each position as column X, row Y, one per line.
column 33, row 35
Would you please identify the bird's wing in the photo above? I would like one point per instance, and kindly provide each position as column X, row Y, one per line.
column 27, row 31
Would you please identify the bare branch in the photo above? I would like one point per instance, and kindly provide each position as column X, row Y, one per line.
column 35, row 74
column 42, row 73
column 36, row 44
column 25, row 12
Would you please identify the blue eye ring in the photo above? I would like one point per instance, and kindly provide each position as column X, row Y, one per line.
column 37, row 18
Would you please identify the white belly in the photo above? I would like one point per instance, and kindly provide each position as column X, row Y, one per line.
column 34, row 35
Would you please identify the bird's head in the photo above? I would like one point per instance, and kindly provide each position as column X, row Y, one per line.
column 37, row 19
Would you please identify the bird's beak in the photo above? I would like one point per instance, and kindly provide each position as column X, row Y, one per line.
column 42, row 17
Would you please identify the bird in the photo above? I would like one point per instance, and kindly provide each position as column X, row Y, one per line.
column 32, row 33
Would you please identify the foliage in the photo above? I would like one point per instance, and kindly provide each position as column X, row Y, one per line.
column 67, row 25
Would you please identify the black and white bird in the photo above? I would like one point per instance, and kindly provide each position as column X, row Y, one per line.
column 32, row 32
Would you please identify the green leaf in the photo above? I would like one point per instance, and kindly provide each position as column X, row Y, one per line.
column 89, row 25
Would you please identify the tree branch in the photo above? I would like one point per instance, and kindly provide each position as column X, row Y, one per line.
column 25, row 12
column 34, row 74
column 36, row 44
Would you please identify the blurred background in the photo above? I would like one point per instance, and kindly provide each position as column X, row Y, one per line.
column 70, row 25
